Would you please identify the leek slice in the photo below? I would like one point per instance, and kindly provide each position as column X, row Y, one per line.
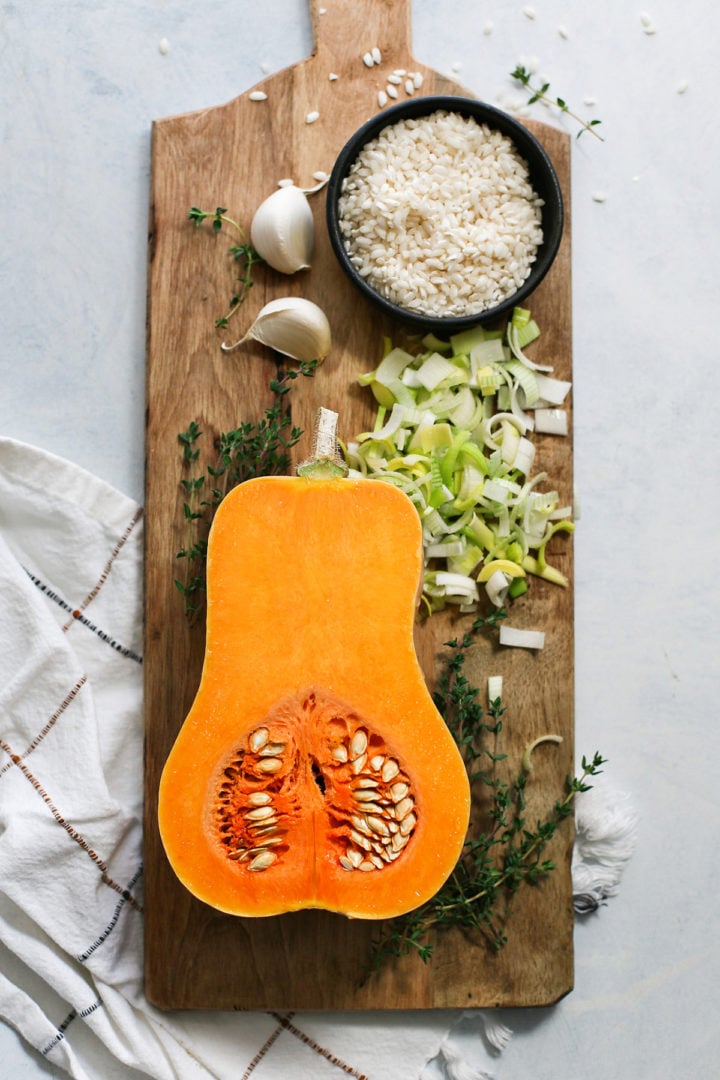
column 551, row 421
column 494, row 688
column 522, row 639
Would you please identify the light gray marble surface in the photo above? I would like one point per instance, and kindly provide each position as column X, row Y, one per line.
column 81, row 81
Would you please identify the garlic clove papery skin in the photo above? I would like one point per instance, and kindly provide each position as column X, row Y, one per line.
column 293, row 326
column 282, row 230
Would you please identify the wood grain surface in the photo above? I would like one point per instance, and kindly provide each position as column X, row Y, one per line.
column 233, row 156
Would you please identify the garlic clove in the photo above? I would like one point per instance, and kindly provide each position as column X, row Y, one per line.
column 293, row 326
column 282, row 230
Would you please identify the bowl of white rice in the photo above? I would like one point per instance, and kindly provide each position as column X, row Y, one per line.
column 445, row 212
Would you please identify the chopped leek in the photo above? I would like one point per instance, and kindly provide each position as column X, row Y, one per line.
column 521, row 639
column 452, row 431
column 551, row 421
column 494, row 688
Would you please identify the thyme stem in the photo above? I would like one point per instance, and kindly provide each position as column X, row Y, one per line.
column 243, row 254
column 540, row 93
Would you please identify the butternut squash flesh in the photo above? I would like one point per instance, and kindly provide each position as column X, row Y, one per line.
column 313, row 770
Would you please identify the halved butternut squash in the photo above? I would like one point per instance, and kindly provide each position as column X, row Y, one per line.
column 313, row 770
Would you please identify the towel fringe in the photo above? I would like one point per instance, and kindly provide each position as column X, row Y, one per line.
column 605, row 837
column 498, row 1035
column 456, row 1068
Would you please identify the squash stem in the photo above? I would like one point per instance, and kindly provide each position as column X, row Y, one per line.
column 325, row 460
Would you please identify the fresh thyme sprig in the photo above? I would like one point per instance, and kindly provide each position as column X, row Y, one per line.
column 243, row 254
column 540, row 93
column 507, row 853
column 261, row 449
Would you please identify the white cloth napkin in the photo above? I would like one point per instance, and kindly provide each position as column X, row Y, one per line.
column 71, row 901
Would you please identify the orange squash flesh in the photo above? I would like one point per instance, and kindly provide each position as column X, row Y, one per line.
column 312, row 589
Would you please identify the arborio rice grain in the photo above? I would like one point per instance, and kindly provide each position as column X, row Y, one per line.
column 439, row 216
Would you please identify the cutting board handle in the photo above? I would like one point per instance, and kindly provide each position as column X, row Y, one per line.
column 344, row 30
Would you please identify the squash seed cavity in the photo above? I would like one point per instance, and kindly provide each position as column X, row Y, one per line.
column 312, row 755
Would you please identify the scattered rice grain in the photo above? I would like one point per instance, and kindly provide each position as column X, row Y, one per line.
column 312, row 117
column 368, row 60
column 258, row 95
column 529, row 12
column 409, row 86
column 164, row 46
column 376, row 55
column 382, row 99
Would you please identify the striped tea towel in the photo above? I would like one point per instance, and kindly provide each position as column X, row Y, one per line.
column 71, row 902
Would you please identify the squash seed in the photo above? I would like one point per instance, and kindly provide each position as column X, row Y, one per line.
column 263, row 861
column 340, row 753
column 359, row 763
column 268, row 841
column 258, row 738
column 265, row 828
column 366, row 782
column 390, row 770
column 403, row 808
column 345, row 863
column 269, row 765
column 363, row 795
column 259, row 798
column 360, row 840
column 399, row 790
column 378, row 826
column 260, row 813
column 354, row 856
column 408, row 824
column 272, row 749
column 366, row 865
column 360, row 824
column 398, row 841
column 376, row 762
column 358, row 743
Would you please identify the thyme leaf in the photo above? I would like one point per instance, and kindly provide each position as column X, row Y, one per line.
column 541, row 93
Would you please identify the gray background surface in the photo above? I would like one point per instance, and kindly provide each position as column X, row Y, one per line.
column 81, row 81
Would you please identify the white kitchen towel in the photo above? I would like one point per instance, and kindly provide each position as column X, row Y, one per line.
column 71, row 899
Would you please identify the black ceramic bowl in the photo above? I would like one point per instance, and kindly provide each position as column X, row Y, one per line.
column 542, row 177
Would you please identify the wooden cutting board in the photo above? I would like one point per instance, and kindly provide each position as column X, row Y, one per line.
column 233, row 156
